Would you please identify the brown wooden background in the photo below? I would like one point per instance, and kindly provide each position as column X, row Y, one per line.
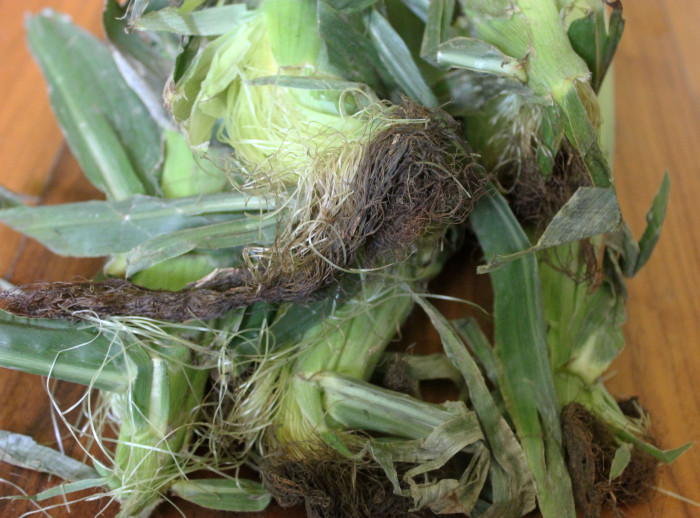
column 658, row 106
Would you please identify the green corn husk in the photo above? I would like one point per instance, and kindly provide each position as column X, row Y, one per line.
column 549, row 106
column 281, row 101
column 301, row 147
column 165, row 389
column 308, row 394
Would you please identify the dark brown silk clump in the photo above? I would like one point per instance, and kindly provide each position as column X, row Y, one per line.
column 590, row 448
column 332, row 486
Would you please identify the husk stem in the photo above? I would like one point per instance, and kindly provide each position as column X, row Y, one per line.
column 347, row 336
column 350, row 342
column 349, row 339
column 155, row 416
column 360, row 406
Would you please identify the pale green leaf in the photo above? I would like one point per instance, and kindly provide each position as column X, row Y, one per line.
column 655, row 220
column 71, row 487
column 521, row 348
column 9, row 199
column 419, row 8
column 480, row 347
column 237, row 232
column 591, row 211
column 23, row 451
column 145, row 59
column 440, row 13
column 98, row 228
column 436, row 433
column 211, row 21
column 478, row 56
column 633, row 254
column 441, row 495
column 620, row 461
column 63, row 350
column 237, row 495
column 582, row 133
column 593, row 42
column 360, row 405
column 665, row 456
column 584, row 325
column 398, row 61
column 350, row 6
column 348, row 50
column 513, row 485
column 109, row 130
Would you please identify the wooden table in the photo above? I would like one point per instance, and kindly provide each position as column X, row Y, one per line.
column 658, row 105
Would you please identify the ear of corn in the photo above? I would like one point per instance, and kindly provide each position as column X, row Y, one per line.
column 271, row 109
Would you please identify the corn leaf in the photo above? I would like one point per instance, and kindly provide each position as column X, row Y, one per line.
column 360, row 405
column 581, row 132
column 188, row 5
column 665, row 456
column 212, row 21
column 237, row 495
column 437, row 27
column 108, row 129
column 349, row 52
column 23, row 451
column 63, row 350
column 512, row 484
column 9, row 199
column 479, row 346
column 237, row 232
column 145, row 59
column 593, row 42
column 655, row 220
column 596, row 398
column 139, row 392
column 521, row 348
column 419, row 8
column 350, row 6
column 440, row 495
column 438, row 433
column 591, row 211
column 98, row 228
column 293, row 321
column 71, row 487
column 478, row 56
column 138, row 7
column 632, row 254
column 584, row 325
column 622, row 458
column 398, row 61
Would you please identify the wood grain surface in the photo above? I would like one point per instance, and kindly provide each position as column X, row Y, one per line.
column 658, row 128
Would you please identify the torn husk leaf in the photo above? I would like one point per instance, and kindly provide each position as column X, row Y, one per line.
column 21, row 450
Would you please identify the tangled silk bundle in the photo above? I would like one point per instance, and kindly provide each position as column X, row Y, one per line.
column 411, row 177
